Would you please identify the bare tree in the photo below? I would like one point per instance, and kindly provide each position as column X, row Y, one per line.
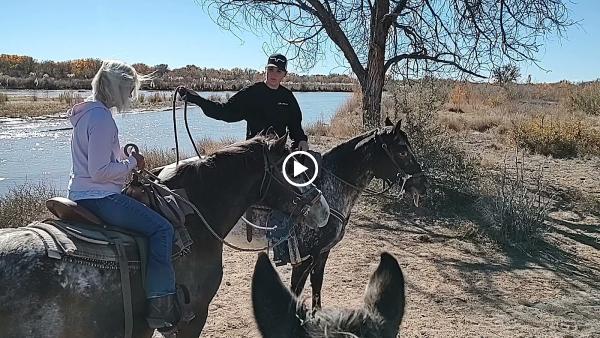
column 468, row 37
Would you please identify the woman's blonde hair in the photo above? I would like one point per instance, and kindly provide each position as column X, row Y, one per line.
column 116, row 83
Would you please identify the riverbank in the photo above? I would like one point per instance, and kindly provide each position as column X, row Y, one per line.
column 35, row 106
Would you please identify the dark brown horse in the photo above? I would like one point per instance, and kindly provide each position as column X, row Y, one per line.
column 347, row 170
column 44, row 297
column 280, row 315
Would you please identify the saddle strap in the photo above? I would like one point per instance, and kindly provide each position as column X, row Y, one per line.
column 125, row 289
column 51, row 248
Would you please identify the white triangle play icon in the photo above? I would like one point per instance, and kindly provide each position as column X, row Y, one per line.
column 299, row 168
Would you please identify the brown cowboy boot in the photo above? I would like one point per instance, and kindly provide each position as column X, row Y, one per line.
column 163, row 312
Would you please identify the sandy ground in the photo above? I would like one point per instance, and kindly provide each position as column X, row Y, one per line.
column 456, row 286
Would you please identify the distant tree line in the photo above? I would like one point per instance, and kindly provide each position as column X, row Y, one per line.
column 24, row 72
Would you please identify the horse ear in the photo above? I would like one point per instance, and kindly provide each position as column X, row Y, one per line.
column 398, row 127
column 388, row 122
column 274, row 305
column 385, row 292
column 280, row 142
column 270, row 132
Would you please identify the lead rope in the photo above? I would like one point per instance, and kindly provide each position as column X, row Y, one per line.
column 141, row 175
column 187, row 127
column 175, row 128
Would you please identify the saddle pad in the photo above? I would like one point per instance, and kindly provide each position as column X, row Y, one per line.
column 89, row 244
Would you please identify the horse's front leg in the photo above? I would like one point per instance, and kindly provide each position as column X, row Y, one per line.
column 300, row 274
column 316, row 279
column 195, row 327
column 203, row 286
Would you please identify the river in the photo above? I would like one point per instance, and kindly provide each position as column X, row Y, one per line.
column 38, row 149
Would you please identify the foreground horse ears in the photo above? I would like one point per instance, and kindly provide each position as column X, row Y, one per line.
column 274, row 305
column 278, row 314
column 385, row 293
column 388, row 122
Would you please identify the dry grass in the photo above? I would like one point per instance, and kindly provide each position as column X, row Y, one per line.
column 347, row 120
column 3, row 98
column 23, row 108
column 160, row 157
column 70, row 97
column 25, row 203
column 560, row 138
column 317, row 128
column 207, row 146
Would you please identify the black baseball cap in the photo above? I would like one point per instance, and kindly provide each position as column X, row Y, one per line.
column 278, row 60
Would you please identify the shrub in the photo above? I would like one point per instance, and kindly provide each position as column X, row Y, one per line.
column 25, row 203
column 452, row 173
column 559, row 138
column 585, row 97
column 506, row 74
column 511, row 211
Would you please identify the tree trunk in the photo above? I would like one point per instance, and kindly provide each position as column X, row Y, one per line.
column 371, row 102
column 372, row 84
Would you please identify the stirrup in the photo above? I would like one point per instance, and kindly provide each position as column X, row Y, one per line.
column 163, row 312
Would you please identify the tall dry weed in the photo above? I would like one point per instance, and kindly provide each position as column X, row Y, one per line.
column 513, row 207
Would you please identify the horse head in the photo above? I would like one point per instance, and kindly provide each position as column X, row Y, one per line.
column 395, row 160
column 278, row 312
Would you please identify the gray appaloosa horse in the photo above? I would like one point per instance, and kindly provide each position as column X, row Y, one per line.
column 347, row 170
column 44, row 297
column 280, row 315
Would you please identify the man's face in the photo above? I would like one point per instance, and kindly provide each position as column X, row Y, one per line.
column 274, row 76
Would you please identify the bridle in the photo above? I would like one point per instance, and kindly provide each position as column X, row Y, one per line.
column 302, row 202
column 401, row 174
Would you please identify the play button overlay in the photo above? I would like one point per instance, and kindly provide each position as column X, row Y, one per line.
column 294, row 169
column 299, row 168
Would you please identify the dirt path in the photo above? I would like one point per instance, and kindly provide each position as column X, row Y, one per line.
column 454, row 287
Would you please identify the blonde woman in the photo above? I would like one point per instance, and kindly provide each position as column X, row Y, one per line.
column 98, row 174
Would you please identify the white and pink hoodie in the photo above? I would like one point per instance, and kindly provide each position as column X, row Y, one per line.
column 100, row 167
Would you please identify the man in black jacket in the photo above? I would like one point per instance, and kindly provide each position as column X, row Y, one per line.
column 264, row 104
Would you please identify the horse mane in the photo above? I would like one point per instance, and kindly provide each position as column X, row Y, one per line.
column 337, row 323
column 230, row 154
column 347, row 146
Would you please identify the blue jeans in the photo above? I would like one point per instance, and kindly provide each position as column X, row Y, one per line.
column 127, row 213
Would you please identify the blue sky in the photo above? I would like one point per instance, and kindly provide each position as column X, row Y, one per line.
column 180, row 32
